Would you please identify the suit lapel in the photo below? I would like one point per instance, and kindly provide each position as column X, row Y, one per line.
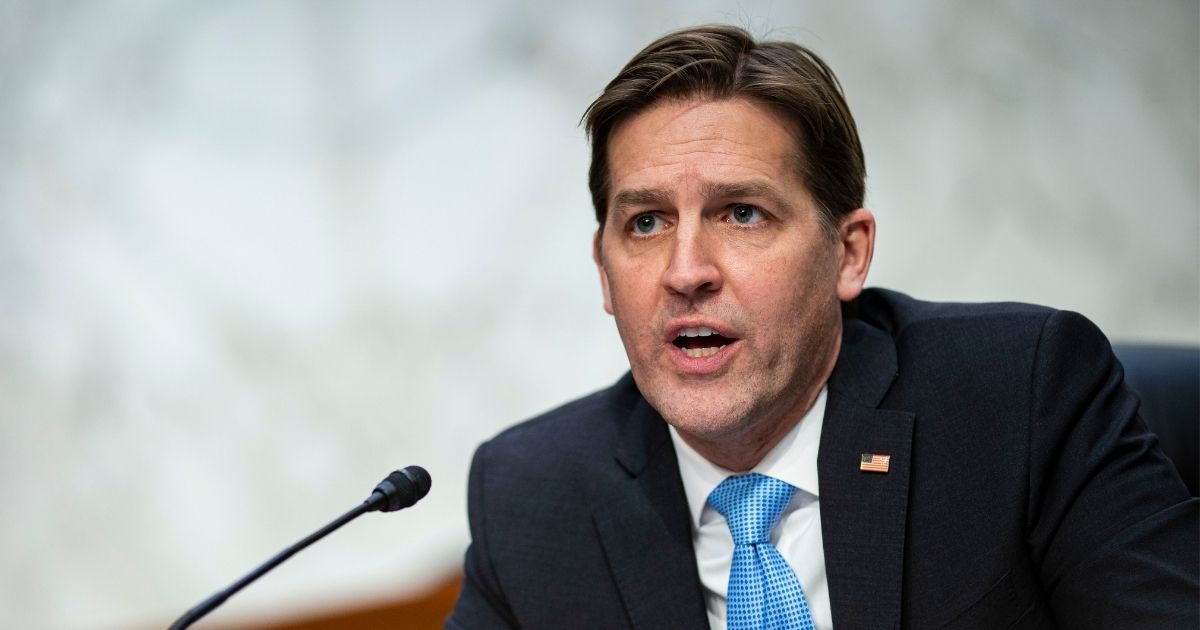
column 863, row 514
column 645, row 530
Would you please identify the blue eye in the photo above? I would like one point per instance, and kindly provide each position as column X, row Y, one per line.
column 745, row 214
column 646, row 223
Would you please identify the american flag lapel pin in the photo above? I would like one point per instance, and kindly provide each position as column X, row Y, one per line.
column 874, row 462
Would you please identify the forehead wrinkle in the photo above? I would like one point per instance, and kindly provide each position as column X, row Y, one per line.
column 687, row 159
column 682, row 153
column 717, row 142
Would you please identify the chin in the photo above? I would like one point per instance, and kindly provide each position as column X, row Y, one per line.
column 703, row 417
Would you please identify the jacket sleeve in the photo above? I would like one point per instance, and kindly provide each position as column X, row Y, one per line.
column 481, row 603
column 1110, row 522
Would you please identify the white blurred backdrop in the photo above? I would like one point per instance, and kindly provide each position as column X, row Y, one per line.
column 256, row 255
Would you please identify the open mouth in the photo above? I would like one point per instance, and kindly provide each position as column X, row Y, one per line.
column 701, row 341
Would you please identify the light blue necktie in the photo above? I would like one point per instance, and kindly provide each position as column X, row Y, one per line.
column 763, row 590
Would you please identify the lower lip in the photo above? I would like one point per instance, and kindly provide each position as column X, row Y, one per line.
column 700, row 366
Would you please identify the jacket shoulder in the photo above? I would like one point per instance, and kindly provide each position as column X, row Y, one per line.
column 896, row 312
column 570, row 433
column 1013, row 328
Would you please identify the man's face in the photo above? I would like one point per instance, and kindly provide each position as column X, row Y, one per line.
column 713, row 260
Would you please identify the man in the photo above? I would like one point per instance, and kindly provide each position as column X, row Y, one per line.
column 789, row 449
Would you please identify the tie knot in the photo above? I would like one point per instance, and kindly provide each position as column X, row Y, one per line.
column 751, row 504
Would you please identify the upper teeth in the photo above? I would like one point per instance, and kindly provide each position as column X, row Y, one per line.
column 698, row 331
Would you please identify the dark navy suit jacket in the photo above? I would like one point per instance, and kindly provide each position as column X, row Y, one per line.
column 1023, row 492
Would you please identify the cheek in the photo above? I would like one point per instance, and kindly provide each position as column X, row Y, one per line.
column 628, row 287
column 767, row 279
column 789, row 291
column 631, row 295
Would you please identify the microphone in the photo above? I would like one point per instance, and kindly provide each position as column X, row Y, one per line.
column 399, row 490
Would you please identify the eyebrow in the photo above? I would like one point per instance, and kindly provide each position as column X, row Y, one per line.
column 743, row 190
column 746, row 189
column 641, row 197
column 659, row 197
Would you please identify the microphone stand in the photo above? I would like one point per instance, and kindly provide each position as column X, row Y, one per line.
column 207, row 606
column 399, row 490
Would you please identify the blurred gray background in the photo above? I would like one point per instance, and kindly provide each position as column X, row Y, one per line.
column 255, row 255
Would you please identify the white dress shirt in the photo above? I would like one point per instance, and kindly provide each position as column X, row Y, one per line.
column 798, row 534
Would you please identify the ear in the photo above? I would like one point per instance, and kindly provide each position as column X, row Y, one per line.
column 603, row 274
column 856, row 232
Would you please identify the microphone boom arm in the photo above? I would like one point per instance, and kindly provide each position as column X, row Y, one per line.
column 399, row 490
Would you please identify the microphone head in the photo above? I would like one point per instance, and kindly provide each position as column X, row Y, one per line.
column 401, row 489
column 420, row 478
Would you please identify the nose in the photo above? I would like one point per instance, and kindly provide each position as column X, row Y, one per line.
column 693, row 270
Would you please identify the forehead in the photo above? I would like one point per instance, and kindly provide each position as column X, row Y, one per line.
column 700, row 142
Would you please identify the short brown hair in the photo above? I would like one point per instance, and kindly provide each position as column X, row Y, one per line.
column 722, row 62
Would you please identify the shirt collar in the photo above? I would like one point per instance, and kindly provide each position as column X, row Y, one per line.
column 793, row 459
